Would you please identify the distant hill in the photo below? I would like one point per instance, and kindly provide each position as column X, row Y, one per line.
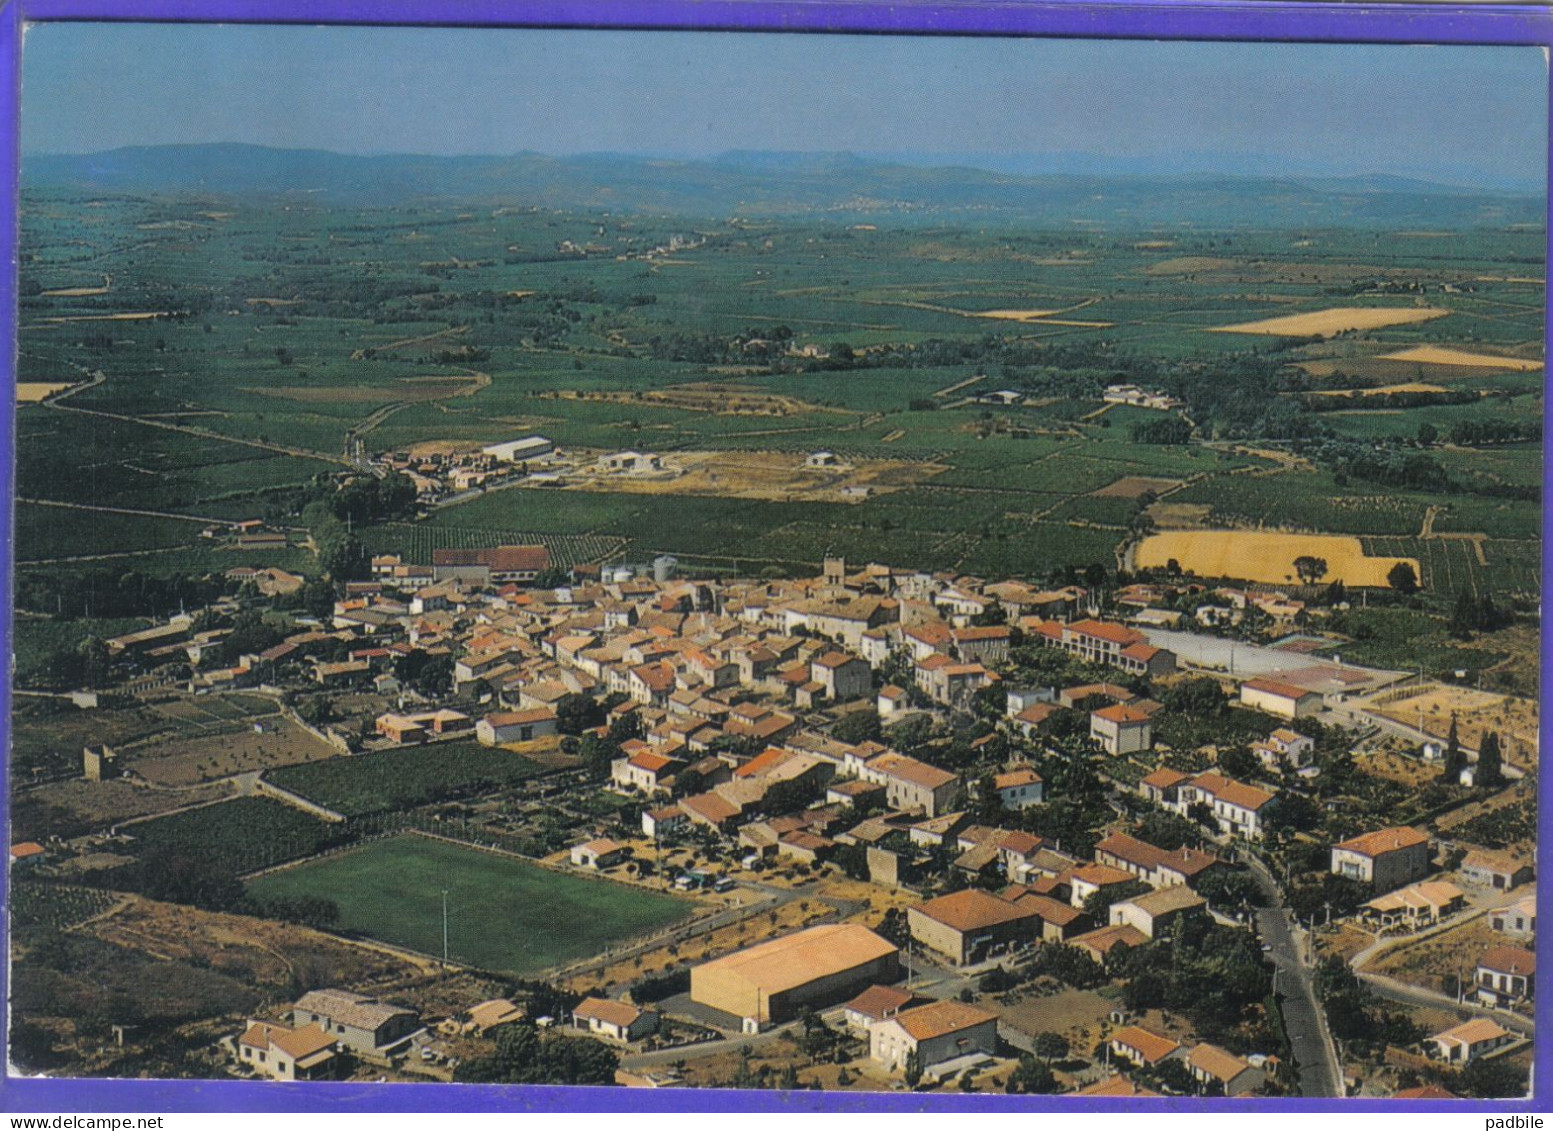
column 759, row 184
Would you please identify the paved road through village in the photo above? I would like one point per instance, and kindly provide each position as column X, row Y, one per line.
column 1320, row 1074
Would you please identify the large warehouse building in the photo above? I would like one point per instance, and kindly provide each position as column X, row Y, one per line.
column 769, row 983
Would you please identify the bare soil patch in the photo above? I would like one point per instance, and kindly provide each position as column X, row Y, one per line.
column 188, row 761
column 1134, row 487
column 767, row 475
column 719, row 399
column 1514, row 719
column 1429, row 962
column 72, row 808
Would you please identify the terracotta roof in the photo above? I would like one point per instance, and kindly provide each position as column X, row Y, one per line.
column 1016, row 778
column 1048, row 910
column 1216, row 1062
column 1150, row 1046
column 1383, row 840
column 983, row 632
column 1509, row 960
column 910, row 770
column 1166, row 900
column 495, row 1012
column 651, row 762
column 1036, row 713
column 767, row 759
column 1472, row 1032
column 1425, row 1092
column 971, row 909
column 515, row 718
column 1101, row 874
column 657, row 677
column 807, row 956
column 879, row 1001
column 1105, row 630
column 836, row 660
column 299, row 1044
column 1121, row 714
column 941, row 1018
column 1165, row 778
column 1277, row 687
column 710, row 807
column 616, row 1013
column 1102, row 940
column 25, row 849
column 500, row 559
column 1232, row 792
column 346, row 1008
column 1116, row 1086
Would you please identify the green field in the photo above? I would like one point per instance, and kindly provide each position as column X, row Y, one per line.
column 243, row 835
column 397, row 779
column 456, row 326
column 503, row 914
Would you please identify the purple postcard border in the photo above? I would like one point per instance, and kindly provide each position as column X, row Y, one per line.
column 1158, row 19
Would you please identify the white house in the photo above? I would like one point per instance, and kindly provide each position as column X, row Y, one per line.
column 614, row 1020
column 941, row 1033
column 516, row 726
column 1019, row 788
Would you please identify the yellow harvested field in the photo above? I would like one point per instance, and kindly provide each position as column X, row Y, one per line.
column 75, row 292
column 1255, row 555
column 137, row 316
column 1015, row 315
column 31, row 392
column 1437, row 355
column 1336, row 320
column 1381, row 390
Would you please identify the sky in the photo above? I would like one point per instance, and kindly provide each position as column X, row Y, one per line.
column 1461, row 114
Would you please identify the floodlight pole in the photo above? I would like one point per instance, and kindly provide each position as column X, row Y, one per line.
column 444, row 926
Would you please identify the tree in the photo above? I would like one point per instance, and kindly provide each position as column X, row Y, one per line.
column 1310, row 569
column 1455, row 760
column 1496, row 1078
column 856, row 727
column 1098, row 905
column 577, row 713
column 1463, row 617
column 1051, row 1046
column 1402, row 578
column 1238, row 762
column 93, row 652
column 1032, row 1078
column 912, row 1072
column 1226, row 890
column 1490, row 771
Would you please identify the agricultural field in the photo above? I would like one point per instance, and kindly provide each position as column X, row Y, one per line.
column 1336, row 320
column 504, row 914
column 242, row 835
column 1266, row 557
column 348, row 321
column 400, row 779
column 1433, row 708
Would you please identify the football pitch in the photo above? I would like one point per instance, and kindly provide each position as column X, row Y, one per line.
column 503, row 914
